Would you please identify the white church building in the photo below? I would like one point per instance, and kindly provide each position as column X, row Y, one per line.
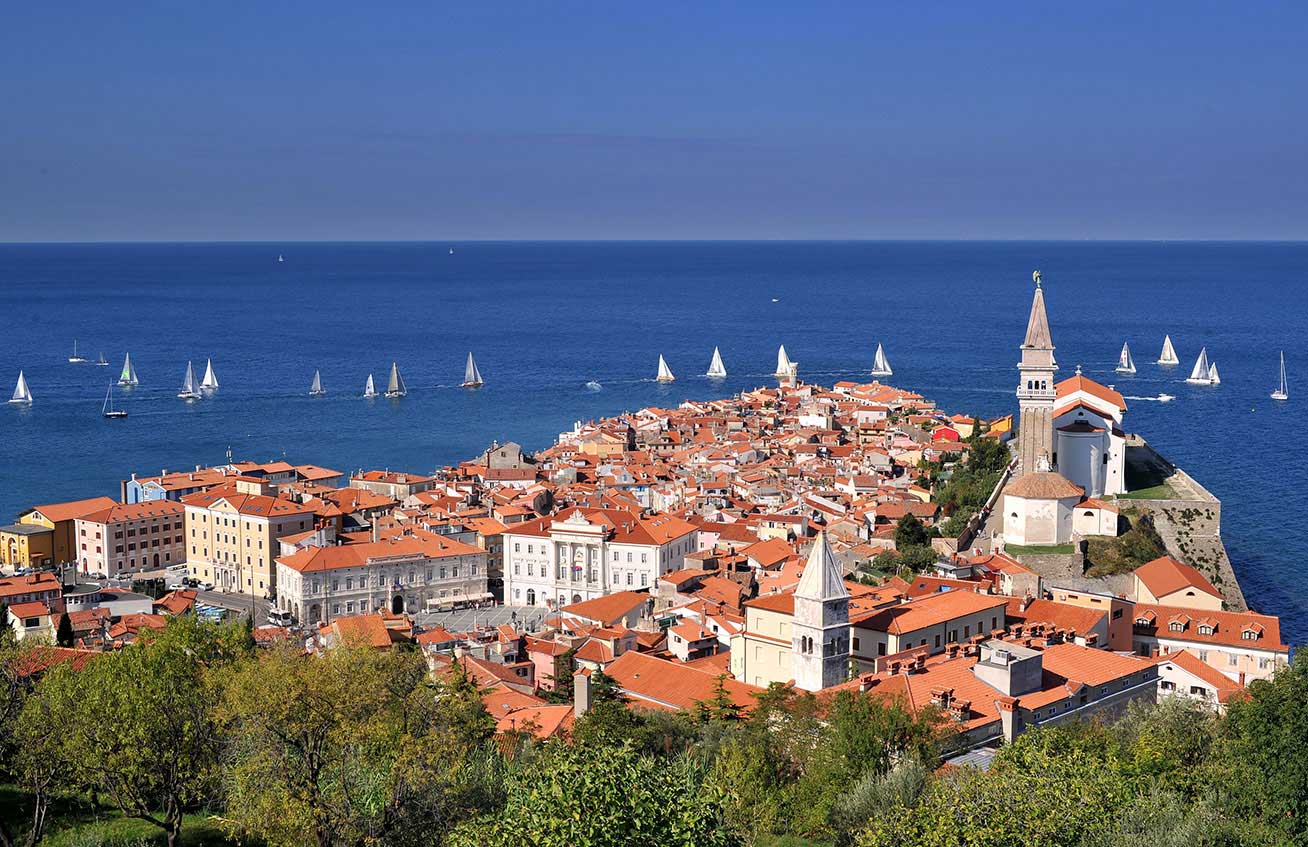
column 1070, row 444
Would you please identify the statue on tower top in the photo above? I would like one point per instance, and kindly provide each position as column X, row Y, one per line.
column 1035, row 277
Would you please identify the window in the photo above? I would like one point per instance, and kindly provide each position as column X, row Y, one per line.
column 937, row 640
column 881, row 648
column 1176, row 626
column 1199, row 691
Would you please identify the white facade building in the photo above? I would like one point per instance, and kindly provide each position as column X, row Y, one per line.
column 581, row 554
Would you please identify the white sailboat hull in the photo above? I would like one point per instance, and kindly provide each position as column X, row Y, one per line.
column 471, row 375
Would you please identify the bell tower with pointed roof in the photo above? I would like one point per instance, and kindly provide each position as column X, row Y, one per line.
column 819, row 628
column 1035, row 390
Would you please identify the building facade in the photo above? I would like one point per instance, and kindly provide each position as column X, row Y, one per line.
column 586, row 553
column 128, row 538
column 232, row 532
column 403, row 574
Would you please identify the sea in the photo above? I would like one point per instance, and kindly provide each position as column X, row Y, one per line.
column 545, row 318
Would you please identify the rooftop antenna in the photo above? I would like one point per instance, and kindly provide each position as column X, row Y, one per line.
column 229, row 454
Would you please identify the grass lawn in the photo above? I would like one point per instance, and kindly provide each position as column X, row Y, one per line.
column 74, row 822
column 1040, row 549
column 1162, row 491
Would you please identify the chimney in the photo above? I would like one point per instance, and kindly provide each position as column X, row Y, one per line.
column 1010, row 718
column 581, row 694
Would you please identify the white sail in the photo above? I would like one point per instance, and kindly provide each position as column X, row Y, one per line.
column 1125, row 365
column 471, row 375
column 210, row 381
column 316, row 389
column 395, row 387
column 1214, row 378
column 716, row 370
column 1168, row 356
column 102, row 361
column 881, row 366
column 370, row 390
column 783, row 363
column 190, row 390
column 128, row 376
column 1200, row 375
column 665, row 372
column 76, row 357
column 1282, row 393
column 22, row 394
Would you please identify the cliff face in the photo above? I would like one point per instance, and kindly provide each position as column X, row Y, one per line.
column 1190, row 524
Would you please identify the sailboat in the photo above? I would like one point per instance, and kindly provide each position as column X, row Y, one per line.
column 102, row 362
column 108, row 409
column 128, row 377
column 369, row 390
column 395, row 388
column 22, row 394
column 1125, row 364
column 1282, row 393
column 76, row 358
column 1202, row 373
column 472, row 376
column 783, row 363
column 280, row 259
column 881, row 366
column 190, row 389
column 316, row 389
column 210, row 381
column 1214, row 378
column 1168, row 356
column 665, row 372
column 716, row 370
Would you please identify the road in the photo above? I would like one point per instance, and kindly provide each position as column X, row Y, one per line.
column 530, row 618
column 239, row 603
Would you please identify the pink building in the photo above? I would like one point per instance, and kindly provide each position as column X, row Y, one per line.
column 131, row 537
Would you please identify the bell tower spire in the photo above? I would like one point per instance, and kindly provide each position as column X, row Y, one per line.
column 1035, row 389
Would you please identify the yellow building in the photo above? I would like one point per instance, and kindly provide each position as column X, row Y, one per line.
column 60, row 518
column 25, row 545
column 232, row 533
column 761, row 654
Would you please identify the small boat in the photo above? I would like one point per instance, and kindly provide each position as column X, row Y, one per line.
column 127, row 378
column 369, row 389
column 665, row 372
column 716, row 370
column 1125, row 364
column 395, row 387
column 102, row 362
column 280, row 259
column 776, row 300
column 783, row 363
column 22, row 394
column 1202, row 372
column 1214, row 378
column 1168, row 356
column 108, row 409
column 451, row 251
column 315, row 388
column 1282, row 393
column 190, row 388
column 881, row 366
column 472, row 376
column 210, row 381
column 76, row 358
column 1166, row 398
column 594, row 385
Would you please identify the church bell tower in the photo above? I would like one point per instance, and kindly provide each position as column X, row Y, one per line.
column 1035, row 390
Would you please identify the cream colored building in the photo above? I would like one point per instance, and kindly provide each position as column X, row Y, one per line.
column 232, row 532
column 1038, row 509
column 404, row 574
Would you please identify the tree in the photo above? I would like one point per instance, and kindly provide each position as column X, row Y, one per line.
column 137, row 726
column 352, row 747
column 909, row 532
column 596, row 795
column 64, row 634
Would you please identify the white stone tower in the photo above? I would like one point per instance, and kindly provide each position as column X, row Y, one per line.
column 820, row 625
column 1035, row 390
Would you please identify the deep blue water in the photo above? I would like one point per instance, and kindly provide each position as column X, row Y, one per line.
column 543, row 318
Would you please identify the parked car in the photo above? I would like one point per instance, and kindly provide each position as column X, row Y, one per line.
column 206, row 586
column 281, row 617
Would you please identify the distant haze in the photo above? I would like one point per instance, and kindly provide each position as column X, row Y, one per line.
column 447, row 121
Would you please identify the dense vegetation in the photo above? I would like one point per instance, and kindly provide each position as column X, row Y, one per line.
column 200, row 738
column 971, row 481
column 1141, row 543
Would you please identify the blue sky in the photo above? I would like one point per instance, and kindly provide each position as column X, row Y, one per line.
column 346, row 120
